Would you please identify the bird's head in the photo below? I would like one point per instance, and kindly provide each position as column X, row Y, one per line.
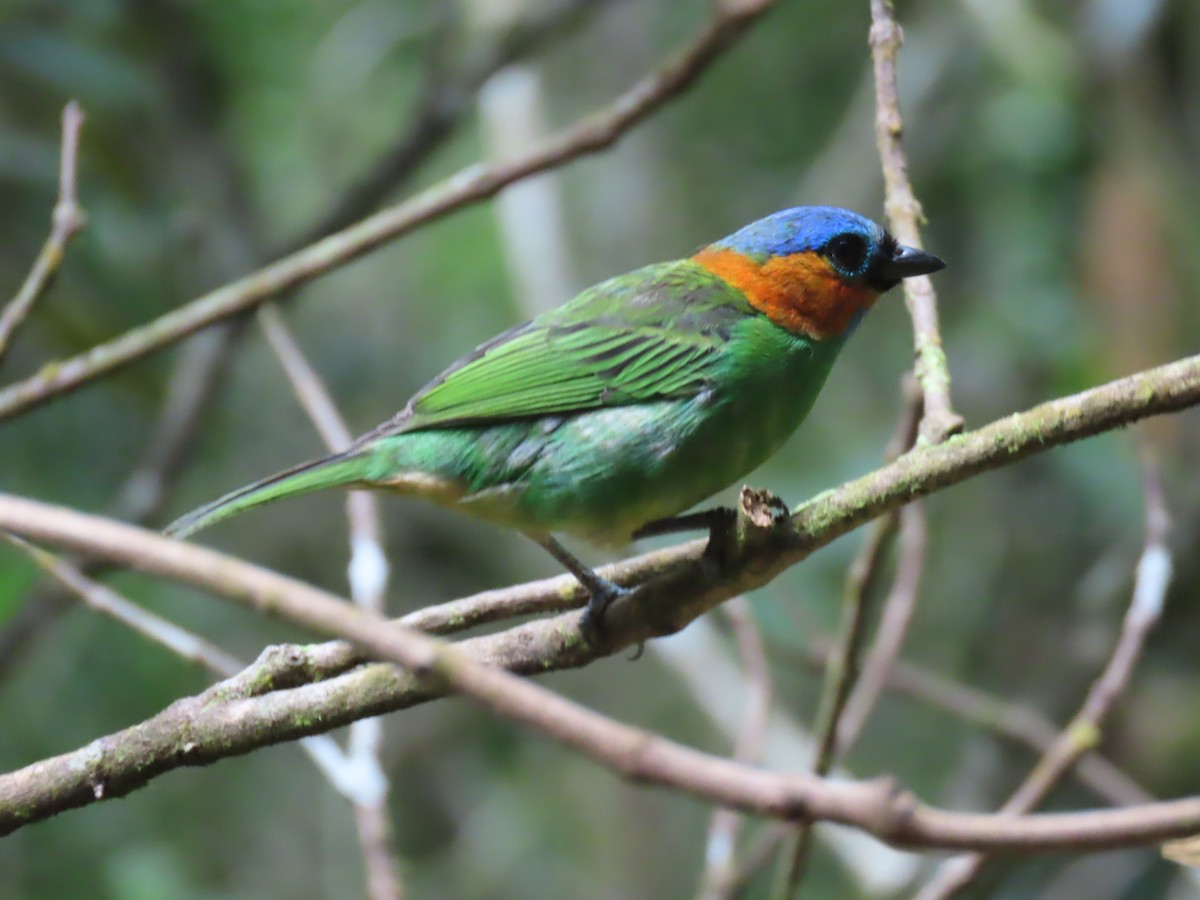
column 814, row 270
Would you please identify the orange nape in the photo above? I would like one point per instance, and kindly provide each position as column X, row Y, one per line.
column 800, row 293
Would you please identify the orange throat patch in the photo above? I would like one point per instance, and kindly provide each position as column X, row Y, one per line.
column 800, row 293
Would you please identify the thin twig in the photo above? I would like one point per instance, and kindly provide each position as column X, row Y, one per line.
column 720, row 861
column 376, row 839
column 841, row 672
column 904, row 217
column 368, row 575
column 445, row 98
column 897, row 613
column 108, row 602
column 307, row 385
column 201, row 729
column 758, row 855
column 840, row 676
column 471, row 185
column 1019, row 724
column 66, row 222
column 1086, row 728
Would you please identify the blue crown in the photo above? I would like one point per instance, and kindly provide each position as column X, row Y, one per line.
column 801, row 229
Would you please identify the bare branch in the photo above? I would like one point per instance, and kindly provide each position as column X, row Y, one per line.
column 904, row 217
column 445, row 98
column 1085, row 730
column 720, row 862
column 376, row 840
column 471, row 185
column 66, row 222
column 1020, row 724
column 841, row 671
column 108, row 602
column 897, row 613
column 368, row 786
column 324, row 752
column 322, row 749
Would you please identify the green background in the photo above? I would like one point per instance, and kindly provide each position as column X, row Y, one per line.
column 1055, row 148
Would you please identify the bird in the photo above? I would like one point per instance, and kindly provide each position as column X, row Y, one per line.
column 644, row 395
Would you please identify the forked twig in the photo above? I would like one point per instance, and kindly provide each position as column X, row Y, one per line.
column 720, row 861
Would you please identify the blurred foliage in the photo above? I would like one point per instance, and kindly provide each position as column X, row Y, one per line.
column 1055, row 148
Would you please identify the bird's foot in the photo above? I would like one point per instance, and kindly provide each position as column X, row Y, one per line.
column 601, row 594
column 601, row 591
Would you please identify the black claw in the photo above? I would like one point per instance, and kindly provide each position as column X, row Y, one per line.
column 719, row 518
column 722, row 536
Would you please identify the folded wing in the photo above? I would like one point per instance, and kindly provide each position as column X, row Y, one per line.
column 652, row 335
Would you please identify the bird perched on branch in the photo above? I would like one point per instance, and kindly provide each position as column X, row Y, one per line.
column 637, row 399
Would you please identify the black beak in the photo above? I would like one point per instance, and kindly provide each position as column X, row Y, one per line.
column 907, row 262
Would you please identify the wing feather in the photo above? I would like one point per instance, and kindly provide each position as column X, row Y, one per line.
column 655, row 334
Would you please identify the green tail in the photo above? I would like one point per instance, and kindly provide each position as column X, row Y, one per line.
column 330, row 471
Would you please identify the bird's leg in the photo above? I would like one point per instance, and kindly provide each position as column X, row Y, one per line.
column 601, row 591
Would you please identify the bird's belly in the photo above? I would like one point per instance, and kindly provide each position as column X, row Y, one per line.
column 602, row 474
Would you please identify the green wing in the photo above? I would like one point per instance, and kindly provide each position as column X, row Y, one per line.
column 653, row 334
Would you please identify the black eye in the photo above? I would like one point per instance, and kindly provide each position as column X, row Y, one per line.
column 848, row 252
